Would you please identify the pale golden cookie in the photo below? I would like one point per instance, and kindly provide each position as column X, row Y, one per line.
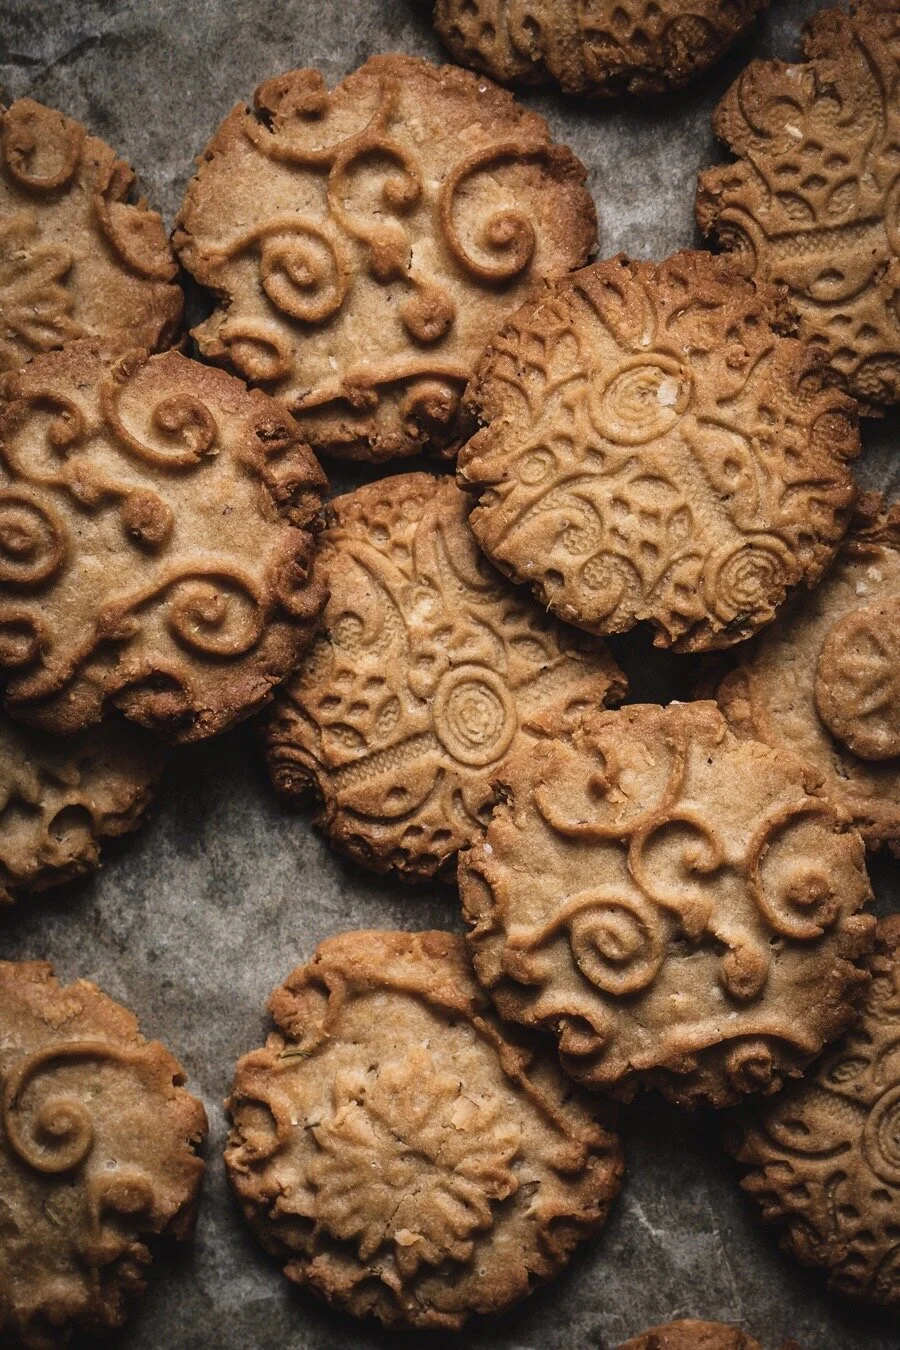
column 403, row 1154
column 424, row 676
column 98, row 1157
column 155, row 536
column 679, row 907
column 78, row 257
column 363, row 244
column 689, row 1334
column 653, row 449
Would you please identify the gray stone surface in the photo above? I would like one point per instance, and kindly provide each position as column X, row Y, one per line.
column 196, row 918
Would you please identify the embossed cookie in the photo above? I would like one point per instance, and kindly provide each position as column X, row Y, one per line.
column 98, row 1157
column 79, row 258
column 401, row 1153
column 689, row 1334
column 155, row 536
column 654, row 450
column 679, row 907
column 60, row 797
column 425, row 674
column 812, row 201
column 824, row 680
column 364, row 243
column 822, row 1159
column 607, row 47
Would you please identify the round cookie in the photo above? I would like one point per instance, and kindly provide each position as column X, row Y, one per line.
column 59, row 798
column 640, row 47
column 653, row 449
column 823, row 680
column 98, row 1157
column 689, row 1334
column 363, row 244
column 78, row 257
column 155, row 537
column 403, row 1154
column 426, row 671
column 811, row 202
column 679, row 907
column 822, row 1159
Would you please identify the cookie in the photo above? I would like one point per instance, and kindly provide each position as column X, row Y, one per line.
column 679, row 907
column 155, row 536
column 363, row 244
column 79, row 257
column 425, row 674
column 822, row 1159
column 811, row 202
column 98, row 1157
column 640, row 47
column 654, row 450
column 823, row 680
column 689, row 1334
column 60, row 797
column 401, row 1153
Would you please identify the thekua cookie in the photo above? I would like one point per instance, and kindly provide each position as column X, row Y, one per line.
column 824, row 680
column 822, row 1159
column 98, row 1157
column 363, row 243
column 79, row 258
column 426, row 671
column 155, row 538
column 60, row 796
column 607, row 47
column 403, row 1154
column 680, row 908
column 689, row 1334
column 654, row 449
column 812, row 201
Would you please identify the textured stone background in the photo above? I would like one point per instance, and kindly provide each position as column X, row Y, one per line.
column 197, row 917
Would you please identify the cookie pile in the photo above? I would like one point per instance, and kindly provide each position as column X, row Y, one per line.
column 656, row 897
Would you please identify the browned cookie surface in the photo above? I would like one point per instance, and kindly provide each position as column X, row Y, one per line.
column 78, row 258
column 680, row 907
column 399, row 1151
column 365, row 243
column 654, row 450
column 689, row 1334
column 155, row 536
column 823, row 1158
column 602, row 48
column 424, row 676
column 812, row 201
column 98, row 1142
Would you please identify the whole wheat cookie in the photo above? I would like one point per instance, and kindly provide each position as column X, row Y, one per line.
column 812, row 202
column 653, row 449
column 822, row 1159
column 689, row 1334
column 98, row 1157
column 403, row 1154
column 155, row 537
column 603, row 48
column 60, row 797
column 79, row 258
column 679, row 907
column 363, row 244
column 824, row 680
column 426, row 671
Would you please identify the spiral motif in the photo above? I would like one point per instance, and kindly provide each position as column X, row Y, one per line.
column 746, row 578
column 791, row 880
column 507, row 237
column 618, row 944
column 256, row 351
column 216, row 614
column 881, row 1137
column 608, row 578
column 34, row 135
column 642, row 401
column 33, row 541
column 303, row 274
column 474, row 717
column 181, row 419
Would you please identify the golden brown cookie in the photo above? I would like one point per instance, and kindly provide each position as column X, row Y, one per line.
column 679, row 907
column 812, row 202
column 601, row 48
column 79, row 257
column 822, row 1159
column 654, row 450
column 399, row 1151
column 364, row 243
column 824, row 680
column 155, row 536
column 424, row 676
column 689, row 1334
column 98, row 1157
column 60, row 796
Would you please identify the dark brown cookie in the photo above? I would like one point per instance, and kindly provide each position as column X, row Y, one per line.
column 689, row 1334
